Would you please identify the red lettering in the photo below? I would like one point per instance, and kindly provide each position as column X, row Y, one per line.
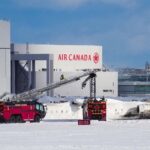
column 85, row 58
column 59, row 57
column 74, row 57
column 82, row 57
column 78, row 57
column 89, row 58
column 65, row 56
column 70, row 57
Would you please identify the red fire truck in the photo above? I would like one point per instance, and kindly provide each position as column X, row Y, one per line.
column 22, row 108
column 17, row 112
column 95, row 110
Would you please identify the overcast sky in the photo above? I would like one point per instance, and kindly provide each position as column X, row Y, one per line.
column 122, row 27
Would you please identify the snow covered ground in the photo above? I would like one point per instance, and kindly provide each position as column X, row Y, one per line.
column 110, row 135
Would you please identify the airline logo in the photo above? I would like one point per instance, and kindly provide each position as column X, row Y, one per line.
column 79, row 57
column 96, row 58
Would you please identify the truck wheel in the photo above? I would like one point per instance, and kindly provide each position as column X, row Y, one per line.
column 37, row 118
column 12, row 119
column 19, row 119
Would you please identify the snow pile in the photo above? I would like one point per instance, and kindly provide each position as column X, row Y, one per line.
column 63, row 110
column 111, row 135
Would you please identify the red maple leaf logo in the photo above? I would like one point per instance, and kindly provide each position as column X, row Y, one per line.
column 96, row 58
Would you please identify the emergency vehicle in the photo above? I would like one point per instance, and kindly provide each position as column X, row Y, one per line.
column 17, row 112
column 23, row 107
column 95, row 110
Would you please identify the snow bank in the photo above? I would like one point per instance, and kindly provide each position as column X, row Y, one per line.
column 111, row 135
column 63, row 110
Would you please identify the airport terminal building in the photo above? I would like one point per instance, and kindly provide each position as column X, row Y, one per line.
column 27, row 66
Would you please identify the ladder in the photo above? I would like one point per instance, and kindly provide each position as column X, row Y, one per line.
column 92, row 78
column 32, row 94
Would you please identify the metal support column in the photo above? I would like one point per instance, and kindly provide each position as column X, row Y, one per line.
column 48, row 74
column 13, row 84
column 33, row 75
column 29, row 75
column 51, row 76
column 93, row 87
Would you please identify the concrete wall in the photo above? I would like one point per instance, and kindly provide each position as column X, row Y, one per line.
column 4, row 57
column 106, row 84
column 4, row 34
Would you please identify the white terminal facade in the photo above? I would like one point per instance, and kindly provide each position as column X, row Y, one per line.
column 5, row 57
column 69, row 60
